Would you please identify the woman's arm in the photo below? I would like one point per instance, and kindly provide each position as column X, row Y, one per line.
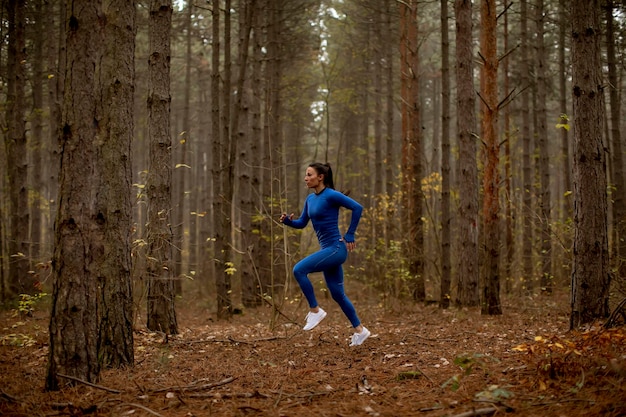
column 357, row 210
column 299, row 223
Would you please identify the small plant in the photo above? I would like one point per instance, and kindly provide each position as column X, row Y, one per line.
column 27, row 303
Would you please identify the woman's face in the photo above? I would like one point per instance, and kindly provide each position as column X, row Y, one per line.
column 312, row 179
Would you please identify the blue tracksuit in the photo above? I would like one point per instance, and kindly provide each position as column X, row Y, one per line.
column 323, row 211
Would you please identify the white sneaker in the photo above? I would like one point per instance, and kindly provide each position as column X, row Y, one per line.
column 359, row 338
column 313, row 319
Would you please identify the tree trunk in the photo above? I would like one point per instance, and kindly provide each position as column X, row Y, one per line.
column 617, row 161
column 467, row 293
column 412, row 149
column 37, row 148
column 590, row 272
column 389, row 39
column 80, row 223
column 181, row 170
column 56, row 86
column 446, row 268
column 243, row 140
column 508, row 200
column 566, row 202
column 491, row 178
column 379, row 56
column 256, row 147
column 118, row 84
column 160, row 278
column 20, row 280
column 527, row 213
column 544, row 155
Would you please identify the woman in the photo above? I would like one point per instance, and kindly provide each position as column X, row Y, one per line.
column 322, row 208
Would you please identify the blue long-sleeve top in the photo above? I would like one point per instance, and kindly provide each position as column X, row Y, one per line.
column 323, row 211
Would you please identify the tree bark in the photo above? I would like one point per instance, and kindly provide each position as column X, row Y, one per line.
column 491, row 178
column 20, row 280
column 446, row 266
column 468, row 269
column 412, row 164
column 527, row 213
column 37, row 148
column 545, row 202
column 590, row 272
column 161, row 289
column 617, row 161
column 114, row 196
column 80, row 223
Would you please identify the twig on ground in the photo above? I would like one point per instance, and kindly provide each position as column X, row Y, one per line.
column 426, row 375
column 255, row 394
column 9, row 398
column 144, row 408
column 111, row 390
column 477, row 412
column 196, row 388
column 230, row 339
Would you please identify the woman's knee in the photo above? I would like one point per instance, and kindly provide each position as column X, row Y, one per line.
column 300, row 272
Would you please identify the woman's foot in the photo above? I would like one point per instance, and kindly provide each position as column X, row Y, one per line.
column 359, row 337
column 314, row 318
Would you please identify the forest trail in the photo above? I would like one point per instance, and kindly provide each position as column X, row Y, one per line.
column 420, row 361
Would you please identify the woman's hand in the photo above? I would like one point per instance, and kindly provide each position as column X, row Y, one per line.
column 350, row 246
column 284, row 216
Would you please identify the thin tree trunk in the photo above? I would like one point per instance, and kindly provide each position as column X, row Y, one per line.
column 160, row 278
column 446, row 267
column 491, row 178
column 617, row 161
column 37, row 149
column 412, row 152
column 468, row 269
column 56, row 87
column 566, row 208
column 544, row 155
column 527, row 213
column 256, row 147
column 242, row 138
column 223, row 277
column 379, row 56
column 181, row 169
column 20, row 281
column 508, row 196
column 390, row 187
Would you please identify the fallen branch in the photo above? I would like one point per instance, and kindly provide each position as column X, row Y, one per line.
column 7, row 397
column 219, row 395
column 478, row 412
column 144, row 408
column 230, row 339
column 196, row 387
column 113, row 391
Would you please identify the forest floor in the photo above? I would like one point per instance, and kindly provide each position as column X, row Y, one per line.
column 419, row 361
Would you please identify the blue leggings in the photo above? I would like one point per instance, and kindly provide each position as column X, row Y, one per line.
column 328, row 260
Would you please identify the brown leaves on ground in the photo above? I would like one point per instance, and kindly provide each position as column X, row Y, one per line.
column 420, row 361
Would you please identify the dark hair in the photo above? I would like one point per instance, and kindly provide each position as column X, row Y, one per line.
column 326, row 171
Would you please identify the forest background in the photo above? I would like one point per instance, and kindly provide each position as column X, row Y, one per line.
column 450, row 122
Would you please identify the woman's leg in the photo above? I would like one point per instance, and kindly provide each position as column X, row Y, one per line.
column 334, row 282
column 317, row 262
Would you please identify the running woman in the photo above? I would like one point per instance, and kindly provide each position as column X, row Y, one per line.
column 322, row 208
